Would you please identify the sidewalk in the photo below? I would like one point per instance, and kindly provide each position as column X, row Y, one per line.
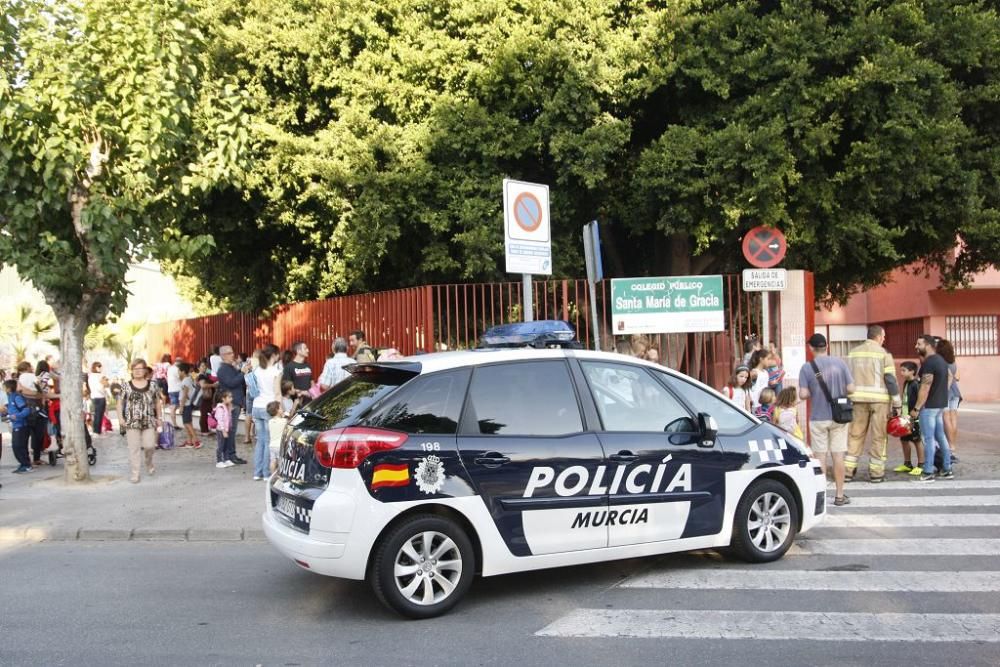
column 190, row 499
column 187, row 499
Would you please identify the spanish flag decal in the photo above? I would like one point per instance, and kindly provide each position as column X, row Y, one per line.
column 387, row 474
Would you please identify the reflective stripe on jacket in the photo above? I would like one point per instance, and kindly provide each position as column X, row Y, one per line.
column 869, row 363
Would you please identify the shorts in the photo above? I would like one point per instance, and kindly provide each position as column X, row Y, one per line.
column 187, row 414
column 953, row 403
column 828, row 436
column 175, row 397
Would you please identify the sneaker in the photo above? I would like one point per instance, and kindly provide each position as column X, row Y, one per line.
column 876, row 480
column 21, row 469
column 843, row 500
column 257, row 478
column 906, row 467
column 228, row 464
column 51, row 448
column 186, row 444
column 926, row 478
column 29, row 469
column 221, row 464
column 947, row 474
column 238, row 460
column 917, row 471
column 196, row 445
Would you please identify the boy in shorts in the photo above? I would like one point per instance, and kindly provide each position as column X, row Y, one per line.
column 911, row 387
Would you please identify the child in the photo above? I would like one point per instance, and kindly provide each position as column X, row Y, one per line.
column 223, row 414
column 911, row 387
column 275, row 427
column 785, row 414
column 18, row 410
column 775, row 370
column 765, row 410
column 190, row 397
column 737, row 390
column 289, row 402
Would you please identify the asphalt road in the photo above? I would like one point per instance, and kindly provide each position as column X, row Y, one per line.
column 852, row 579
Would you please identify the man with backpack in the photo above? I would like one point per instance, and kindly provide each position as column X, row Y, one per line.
column 231, row 379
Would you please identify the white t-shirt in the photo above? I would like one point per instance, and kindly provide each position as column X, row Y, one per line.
column 28, row 380
column 738, row 398
column 95, row 385
column 759, row 385
column 266, row 378
column 173, row 379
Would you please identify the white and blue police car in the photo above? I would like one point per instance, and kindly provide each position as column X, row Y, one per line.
column 418, row 474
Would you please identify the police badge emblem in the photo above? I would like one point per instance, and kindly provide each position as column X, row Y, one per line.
column 430, row 474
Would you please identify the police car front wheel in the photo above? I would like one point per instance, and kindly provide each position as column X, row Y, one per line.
column 766, row 522
column 423, row 566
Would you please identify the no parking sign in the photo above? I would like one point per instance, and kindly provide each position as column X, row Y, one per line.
column 527, row 234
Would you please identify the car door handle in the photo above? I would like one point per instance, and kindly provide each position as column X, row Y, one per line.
column 492, row 459
column 624, row 457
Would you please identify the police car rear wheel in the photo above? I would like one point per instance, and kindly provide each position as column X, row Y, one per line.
column 766, row 522
column 423, row 567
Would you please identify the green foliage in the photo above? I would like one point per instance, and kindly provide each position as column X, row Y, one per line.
column 25, row 324
column 381, row 130
column 110, row 119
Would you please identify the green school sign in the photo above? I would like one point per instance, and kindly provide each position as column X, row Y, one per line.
column 677, row 304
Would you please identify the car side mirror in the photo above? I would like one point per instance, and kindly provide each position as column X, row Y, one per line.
column 708, row 429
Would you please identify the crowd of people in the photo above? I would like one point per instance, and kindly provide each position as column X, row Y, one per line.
column 268, row 385
column 858, row 401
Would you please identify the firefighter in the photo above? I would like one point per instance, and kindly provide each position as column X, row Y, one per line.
column 875, row 389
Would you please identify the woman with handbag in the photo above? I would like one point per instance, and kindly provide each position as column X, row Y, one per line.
column 140, row 415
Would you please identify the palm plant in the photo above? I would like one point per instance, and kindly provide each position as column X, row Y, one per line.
column 28, row 325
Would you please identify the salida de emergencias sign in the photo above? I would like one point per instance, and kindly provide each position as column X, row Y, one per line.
column 676, row 304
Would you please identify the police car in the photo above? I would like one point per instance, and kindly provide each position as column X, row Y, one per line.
column 418, row 474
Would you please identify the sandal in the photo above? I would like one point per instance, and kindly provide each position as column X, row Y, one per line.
column 841, row 500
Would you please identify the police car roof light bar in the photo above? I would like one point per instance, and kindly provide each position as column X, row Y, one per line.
column 539, row 334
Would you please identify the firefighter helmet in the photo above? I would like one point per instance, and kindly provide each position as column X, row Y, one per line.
column 899, row 426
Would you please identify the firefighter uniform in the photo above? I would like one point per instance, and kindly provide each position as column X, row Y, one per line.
column 870, row 363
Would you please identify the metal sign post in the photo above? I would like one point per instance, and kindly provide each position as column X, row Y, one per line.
column 527, row 298
column 595, row 273
column 527, row 237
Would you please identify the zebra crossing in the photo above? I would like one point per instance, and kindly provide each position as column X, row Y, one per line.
column 861, row 576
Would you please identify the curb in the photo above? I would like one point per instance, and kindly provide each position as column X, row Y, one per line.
column 35, row 535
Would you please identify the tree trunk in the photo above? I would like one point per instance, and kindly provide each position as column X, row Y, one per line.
column 72, row 327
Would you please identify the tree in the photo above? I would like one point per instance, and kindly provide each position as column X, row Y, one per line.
column 867, row 132
column 112, row 122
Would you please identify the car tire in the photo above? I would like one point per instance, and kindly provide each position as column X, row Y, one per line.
column 423, row 567
column 766, row 522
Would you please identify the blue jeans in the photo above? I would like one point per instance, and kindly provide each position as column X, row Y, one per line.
column 262, row 450
column 932, row 431
column 230, row 452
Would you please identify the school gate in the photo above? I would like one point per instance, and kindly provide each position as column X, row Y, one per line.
column 449, row 317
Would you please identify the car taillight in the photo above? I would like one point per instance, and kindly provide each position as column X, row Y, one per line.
column 348, row 447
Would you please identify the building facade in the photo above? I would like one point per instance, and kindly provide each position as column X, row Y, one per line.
column 910, row 304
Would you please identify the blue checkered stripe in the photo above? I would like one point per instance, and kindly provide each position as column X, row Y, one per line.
column 769, row 451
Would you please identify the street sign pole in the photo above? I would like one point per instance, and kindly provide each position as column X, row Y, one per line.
column 526, row 298
column 592, row 255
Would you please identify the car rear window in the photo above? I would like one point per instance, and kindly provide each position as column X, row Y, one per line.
column 348, row 400
column 427, row 404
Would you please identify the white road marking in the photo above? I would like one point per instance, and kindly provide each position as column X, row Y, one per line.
column 921, row 501
column 814, row 580
column 792, row 625
column 900, row 547
column 918, row 520
column 913, row 485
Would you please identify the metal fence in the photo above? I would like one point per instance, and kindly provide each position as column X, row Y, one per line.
column 447, row 317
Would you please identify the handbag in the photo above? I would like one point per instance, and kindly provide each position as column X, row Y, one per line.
column 841, row 408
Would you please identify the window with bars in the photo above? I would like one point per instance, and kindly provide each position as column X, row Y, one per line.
column 973, row 335
column 901, row 337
